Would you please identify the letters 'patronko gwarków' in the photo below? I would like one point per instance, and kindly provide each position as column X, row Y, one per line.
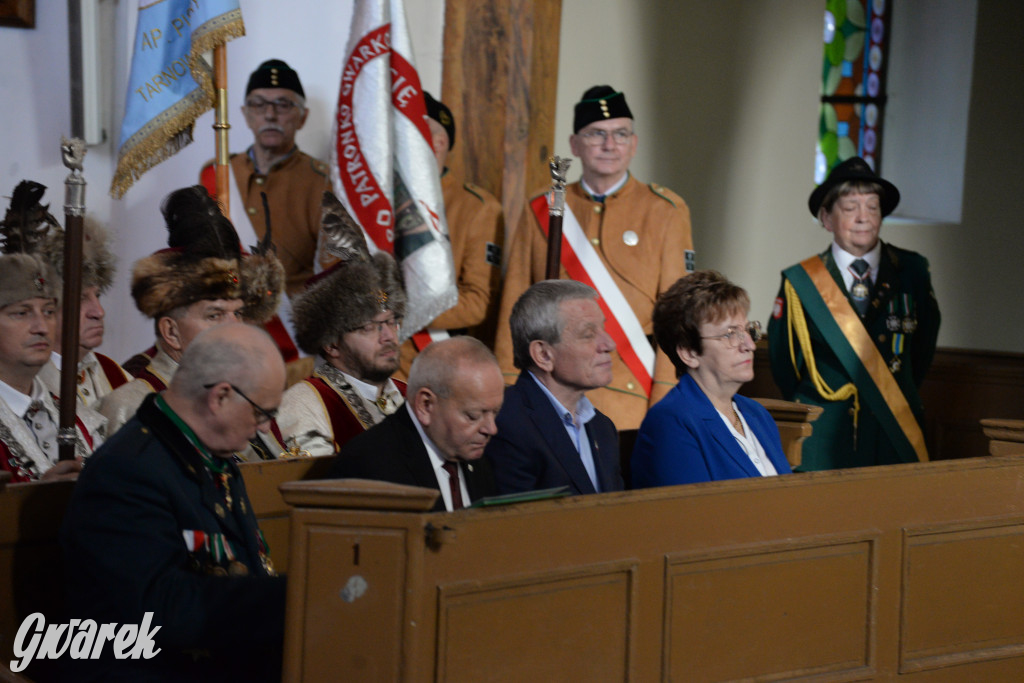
column 382, row 164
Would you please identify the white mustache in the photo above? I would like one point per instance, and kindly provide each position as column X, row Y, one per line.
column 271, row 126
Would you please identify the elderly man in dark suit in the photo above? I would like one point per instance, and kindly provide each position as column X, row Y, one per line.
column 437, row 440
column 160, row 523
column 549, row 433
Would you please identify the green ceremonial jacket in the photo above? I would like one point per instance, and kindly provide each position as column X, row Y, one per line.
column 903, row 322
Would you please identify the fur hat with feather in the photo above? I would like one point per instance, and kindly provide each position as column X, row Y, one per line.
column 200, row 263
column 24, row 274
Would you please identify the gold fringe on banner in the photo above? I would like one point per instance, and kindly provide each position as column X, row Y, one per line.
column 168, row 133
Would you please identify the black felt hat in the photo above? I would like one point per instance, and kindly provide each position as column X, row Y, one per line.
column 854, row 168
column 275, row 73
column 597, row 104
column 442, row 114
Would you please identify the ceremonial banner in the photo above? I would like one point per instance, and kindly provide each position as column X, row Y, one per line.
column 170, row 83
column 382, row 165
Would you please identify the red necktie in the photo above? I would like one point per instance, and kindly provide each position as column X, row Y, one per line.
column 453, row 482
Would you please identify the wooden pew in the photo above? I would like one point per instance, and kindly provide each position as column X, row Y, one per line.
column 1005, row 437
column 906, row 570
column 794, row 423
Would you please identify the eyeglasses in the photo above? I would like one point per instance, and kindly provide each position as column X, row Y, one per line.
column 376, row 327
column 261, row 414
column 734, row 335
column 281, row 105
column 597, row 136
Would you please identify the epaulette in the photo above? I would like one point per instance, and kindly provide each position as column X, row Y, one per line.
column 474, row 190
column 660, row 191
column 319, row 166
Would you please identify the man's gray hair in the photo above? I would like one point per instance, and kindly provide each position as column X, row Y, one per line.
column 435, row 366
column 537, row 315
column 214, row 357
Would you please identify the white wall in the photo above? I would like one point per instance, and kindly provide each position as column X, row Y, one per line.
column 310, row 35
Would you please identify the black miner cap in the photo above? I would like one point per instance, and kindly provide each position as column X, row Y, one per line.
column 597, row 104
column 275, row 73
column 442, row 114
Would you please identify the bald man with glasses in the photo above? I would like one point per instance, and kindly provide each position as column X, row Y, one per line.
column 628, row 239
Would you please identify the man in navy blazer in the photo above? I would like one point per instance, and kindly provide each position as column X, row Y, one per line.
column 437, row 439
column 549, row 433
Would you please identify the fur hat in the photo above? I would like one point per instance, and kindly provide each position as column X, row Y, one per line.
column 26, row 227
column 205, row 261
column 348, row 295
column 201, row 263
column 97, row 259
column 26, row 276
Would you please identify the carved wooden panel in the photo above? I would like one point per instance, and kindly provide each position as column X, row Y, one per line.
column 781, row 619
column 964, row 595
column 349, row 623
column 530, row 622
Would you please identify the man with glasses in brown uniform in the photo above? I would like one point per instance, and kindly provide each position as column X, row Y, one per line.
column 294, row 182
column 628, row 240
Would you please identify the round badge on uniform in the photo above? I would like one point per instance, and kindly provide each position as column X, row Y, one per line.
column 892, row 323
column 630, row 238
column 909, row 325
column 860, row 291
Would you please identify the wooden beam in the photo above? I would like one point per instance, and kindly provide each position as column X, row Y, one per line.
column 500, row 78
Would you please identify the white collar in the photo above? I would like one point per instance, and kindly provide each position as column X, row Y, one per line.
column 844, row 258
column 18, row 402
column 435, row 455
column 366, row 390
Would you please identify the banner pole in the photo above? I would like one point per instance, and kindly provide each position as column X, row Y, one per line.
column 221, row 127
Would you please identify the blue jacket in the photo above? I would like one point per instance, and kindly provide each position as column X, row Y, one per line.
column 683, row 440
column 532, row 451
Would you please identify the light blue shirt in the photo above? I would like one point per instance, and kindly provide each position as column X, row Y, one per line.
column 576, row 428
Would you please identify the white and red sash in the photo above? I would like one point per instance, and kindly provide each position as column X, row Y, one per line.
column 424, row 337
column 583, row 264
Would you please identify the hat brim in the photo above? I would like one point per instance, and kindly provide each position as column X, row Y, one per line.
column 890, row 198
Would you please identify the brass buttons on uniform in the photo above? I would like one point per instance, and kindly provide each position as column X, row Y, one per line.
column 595, row 241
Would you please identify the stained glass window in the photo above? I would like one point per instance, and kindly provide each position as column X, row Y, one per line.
column 853, row 94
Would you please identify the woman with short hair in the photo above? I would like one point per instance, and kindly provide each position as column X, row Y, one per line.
column 702, row 430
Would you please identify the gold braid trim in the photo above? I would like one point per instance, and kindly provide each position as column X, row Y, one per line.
column 798, row 323
column 164, row 136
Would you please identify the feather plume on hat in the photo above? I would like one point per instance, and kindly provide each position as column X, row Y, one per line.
column 204, row 261
column 24, row 274
column 351, row 292
column 262, row 276
column 201, row 263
